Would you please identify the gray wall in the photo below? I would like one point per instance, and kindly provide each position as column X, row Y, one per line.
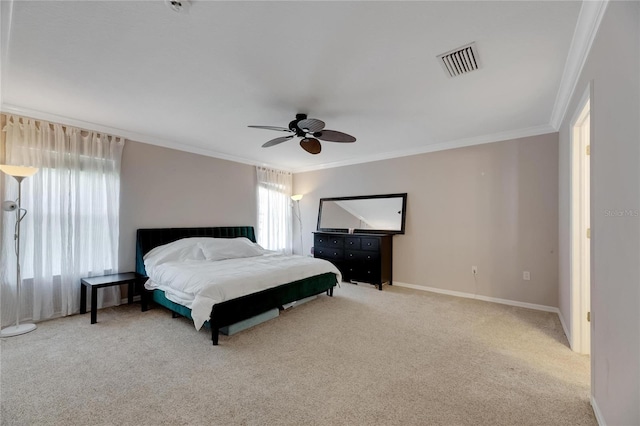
column 615, row 185
column 161, row 187
column 494, row 206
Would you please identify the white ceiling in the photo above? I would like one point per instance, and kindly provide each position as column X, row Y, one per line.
column 195, row 80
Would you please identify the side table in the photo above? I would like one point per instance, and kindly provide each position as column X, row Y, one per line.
column 130, row 278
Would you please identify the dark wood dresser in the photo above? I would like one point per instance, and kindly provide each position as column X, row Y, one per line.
column 359, row 257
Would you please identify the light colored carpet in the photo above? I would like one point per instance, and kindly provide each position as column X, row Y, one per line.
column 363, row 357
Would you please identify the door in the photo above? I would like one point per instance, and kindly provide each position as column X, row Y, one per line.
column 581, row 228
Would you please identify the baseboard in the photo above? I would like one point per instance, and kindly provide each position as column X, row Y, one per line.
column 480, row 297
column 565, row 328
column 597, row 412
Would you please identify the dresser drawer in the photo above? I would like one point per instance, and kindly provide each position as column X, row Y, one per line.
column 324, row 240
column 361, row 255
column 352, row 243
column 329, row 253
column 366, row 273
column 370, row 244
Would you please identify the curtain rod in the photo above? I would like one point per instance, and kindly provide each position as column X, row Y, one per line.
column 274, row 170
column 64, row 126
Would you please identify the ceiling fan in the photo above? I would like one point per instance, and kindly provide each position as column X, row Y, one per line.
column 310, row 130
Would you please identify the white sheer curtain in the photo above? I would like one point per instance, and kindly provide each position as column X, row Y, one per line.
column 71, row 228
column 274, row 209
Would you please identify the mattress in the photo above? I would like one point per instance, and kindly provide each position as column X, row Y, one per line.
column 200, row 284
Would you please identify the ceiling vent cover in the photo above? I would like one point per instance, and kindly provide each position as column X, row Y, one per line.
column 460, row 61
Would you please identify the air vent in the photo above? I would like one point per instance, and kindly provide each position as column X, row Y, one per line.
column 460, row 61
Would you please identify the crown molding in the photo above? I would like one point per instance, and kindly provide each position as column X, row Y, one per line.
column 589, row 19
column 142, row 138
column 132, row 136
column 459, row 143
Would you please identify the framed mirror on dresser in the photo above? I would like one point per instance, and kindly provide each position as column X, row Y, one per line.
column 356, row 234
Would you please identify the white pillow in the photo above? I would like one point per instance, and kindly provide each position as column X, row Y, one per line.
column 177, row 251
column 230, row 248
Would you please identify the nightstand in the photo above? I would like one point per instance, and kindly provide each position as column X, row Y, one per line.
column 130, row 278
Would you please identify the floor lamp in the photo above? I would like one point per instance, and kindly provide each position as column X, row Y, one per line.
column 297, row 199
column 18, row 173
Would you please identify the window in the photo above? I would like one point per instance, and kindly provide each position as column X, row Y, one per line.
column 71, row 229
column 274, row 209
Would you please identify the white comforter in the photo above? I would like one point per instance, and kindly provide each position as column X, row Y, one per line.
column 199, row 284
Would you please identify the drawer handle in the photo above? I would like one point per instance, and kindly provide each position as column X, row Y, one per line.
column 368, row 272
column 351, row 242
column 320, row 251
column 335, row 242
column 368, row 257
column 368, row 244
column 320, row 240
column 335, row 254
column 350, row 254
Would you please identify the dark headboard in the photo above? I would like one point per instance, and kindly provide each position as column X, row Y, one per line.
column 147, row 239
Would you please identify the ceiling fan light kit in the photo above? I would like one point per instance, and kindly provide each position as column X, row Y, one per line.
column 310, row 130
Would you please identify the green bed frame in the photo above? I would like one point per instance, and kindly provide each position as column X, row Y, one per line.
column 235, row 310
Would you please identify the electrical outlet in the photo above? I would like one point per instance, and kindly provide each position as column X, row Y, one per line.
column 474, row 270
column 526, row 276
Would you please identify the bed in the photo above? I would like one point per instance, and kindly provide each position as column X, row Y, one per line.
column 237, row 309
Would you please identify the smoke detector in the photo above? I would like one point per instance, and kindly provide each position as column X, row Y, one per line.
column 178, row 6
column 460, row 61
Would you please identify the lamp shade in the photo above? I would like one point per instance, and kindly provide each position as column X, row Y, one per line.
column 18, row 171
column 296, row 197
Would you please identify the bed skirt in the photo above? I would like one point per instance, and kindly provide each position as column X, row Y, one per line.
column 235, row 310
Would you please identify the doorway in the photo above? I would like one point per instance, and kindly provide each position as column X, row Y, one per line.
column 581, row 227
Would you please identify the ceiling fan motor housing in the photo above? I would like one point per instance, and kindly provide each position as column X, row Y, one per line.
column 293, row 126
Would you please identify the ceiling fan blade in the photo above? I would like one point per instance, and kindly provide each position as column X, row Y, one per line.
column 276, row 141
column 280, row 129
column 334, row 136
column 311, row 125
column 312, row 146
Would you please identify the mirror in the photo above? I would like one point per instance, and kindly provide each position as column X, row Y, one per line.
column 363, row 214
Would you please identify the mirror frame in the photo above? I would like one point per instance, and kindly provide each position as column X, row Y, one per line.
column 365, row 231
